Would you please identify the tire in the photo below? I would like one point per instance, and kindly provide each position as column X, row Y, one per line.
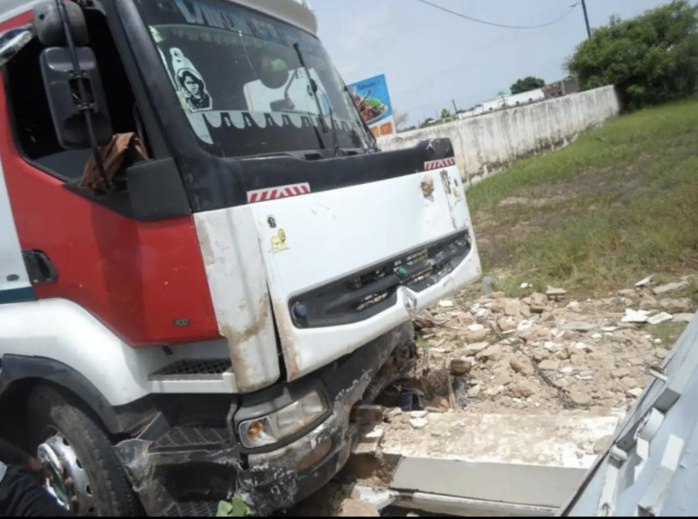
column 51, row 410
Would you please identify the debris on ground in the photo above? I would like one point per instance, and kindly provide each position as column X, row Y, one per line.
column 545, row 350
column 534, row 364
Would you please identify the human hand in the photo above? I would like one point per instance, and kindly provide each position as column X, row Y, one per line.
column 36, row 469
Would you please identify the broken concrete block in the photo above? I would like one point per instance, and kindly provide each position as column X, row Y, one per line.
column 661, row 317
column 628, row 382
column 524, row 325
column 644, row 282
column 661, row 353
column 369, row 442
column 635, row 316
column 634, row 393
column 490, row 353
column 476, row 335
column 418, row 423
column 578, row 326
column 522, row 365
column 523, row 388
column 473, row 349
column 474, row 391
column 555, row 293
column 549, row 365
column 539, row 302
column 602, row 444
column 581, row 398
column 669, row 287
column 620, row 372
column 506, row 324
column 512, row 307
column 683, row 318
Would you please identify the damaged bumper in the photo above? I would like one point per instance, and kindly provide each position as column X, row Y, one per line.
column 280, row 478
column 184, row 469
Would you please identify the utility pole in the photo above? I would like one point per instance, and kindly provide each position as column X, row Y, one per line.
column 586, row 18
column 455, row 108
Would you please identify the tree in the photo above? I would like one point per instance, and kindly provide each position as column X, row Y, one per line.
column 526, row 84
column 445, row 114
column 652, row 58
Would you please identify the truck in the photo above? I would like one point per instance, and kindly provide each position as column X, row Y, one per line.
column 206, row 261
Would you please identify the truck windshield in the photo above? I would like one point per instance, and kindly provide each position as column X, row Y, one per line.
column 240, row 78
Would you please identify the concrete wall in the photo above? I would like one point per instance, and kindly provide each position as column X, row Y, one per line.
column 488, row 143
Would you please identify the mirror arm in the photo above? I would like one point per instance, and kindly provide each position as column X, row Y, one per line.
column 84, row 105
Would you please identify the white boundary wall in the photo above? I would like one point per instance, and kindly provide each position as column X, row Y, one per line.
column 486, row 144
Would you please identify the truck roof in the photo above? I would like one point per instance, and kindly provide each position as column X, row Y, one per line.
column 294, row 12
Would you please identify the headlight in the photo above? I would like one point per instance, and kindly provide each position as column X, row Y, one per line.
column 273, row 428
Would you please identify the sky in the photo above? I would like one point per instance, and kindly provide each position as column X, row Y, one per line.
column 431, row 58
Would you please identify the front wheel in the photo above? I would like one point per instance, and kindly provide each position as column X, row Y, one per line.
column 87, row 477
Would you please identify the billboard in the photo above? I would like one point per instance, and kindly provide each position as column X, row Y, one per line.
column 371, row 96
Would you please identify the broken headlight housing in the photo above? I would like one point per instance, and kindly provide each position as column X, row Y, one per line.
column 287, row 421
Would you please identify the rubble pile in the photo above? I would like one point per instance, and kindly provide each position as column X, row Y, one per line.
column 546, row 350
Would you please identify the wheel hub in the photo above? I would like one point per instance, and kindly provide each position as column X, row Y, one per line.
column 68, row 480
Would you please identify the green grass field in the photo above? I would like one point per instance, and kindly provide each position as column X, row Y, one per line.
column 618, row 204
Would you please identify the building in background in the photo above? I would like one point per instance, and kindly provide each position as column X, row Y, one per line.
column 372, row 98
column 569, row 85
column 504, row 101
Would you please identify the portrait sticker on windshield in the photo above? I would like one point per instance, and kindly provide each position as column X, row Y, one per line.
column 190, row 82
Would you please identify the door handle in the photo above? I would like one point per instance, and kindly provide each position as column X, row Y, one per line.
column 39, row 266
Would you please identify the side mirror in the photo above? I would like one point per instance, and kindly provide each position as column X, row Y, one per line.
column 62, row 92
column 49, row 27
column 12, row 41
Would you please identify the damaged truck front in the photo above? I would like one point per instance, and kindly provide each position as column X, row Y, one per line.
column 206, row 260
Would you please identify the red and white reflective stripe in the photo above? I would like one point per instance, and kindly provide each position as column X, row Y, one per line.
column 274, row 193
column 436, row 164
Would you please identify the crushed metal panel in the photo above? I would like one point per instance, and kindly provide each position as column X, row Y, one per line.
column 651, row 468
column 237, row 281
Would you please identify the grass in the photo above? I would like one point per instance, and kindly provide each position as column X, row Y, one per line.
column 668, row 333
column 618, row 204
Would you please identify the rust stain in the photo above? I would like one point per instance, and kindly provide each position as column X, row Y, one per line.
column 446, row 181
column 237, row 337
column 285, row 329
column 427, row 185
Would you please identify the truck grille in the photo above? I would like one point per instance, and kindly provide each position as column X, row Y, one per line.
column 367, row 293
column 193, row 368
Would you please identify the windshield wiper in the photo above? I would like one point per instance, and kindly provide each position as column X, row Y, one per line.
column 372, row 138
column 313, row 89
column 335, row 138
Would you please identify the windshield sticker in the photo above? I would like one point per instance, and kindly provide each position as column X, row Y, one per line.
column 190, row 82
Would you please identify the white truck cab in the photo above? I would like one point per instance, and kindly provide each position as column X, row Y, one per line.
column 205, row 260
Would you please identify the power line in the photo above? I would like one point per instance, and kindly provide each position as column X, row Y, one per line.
column 494, row 24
